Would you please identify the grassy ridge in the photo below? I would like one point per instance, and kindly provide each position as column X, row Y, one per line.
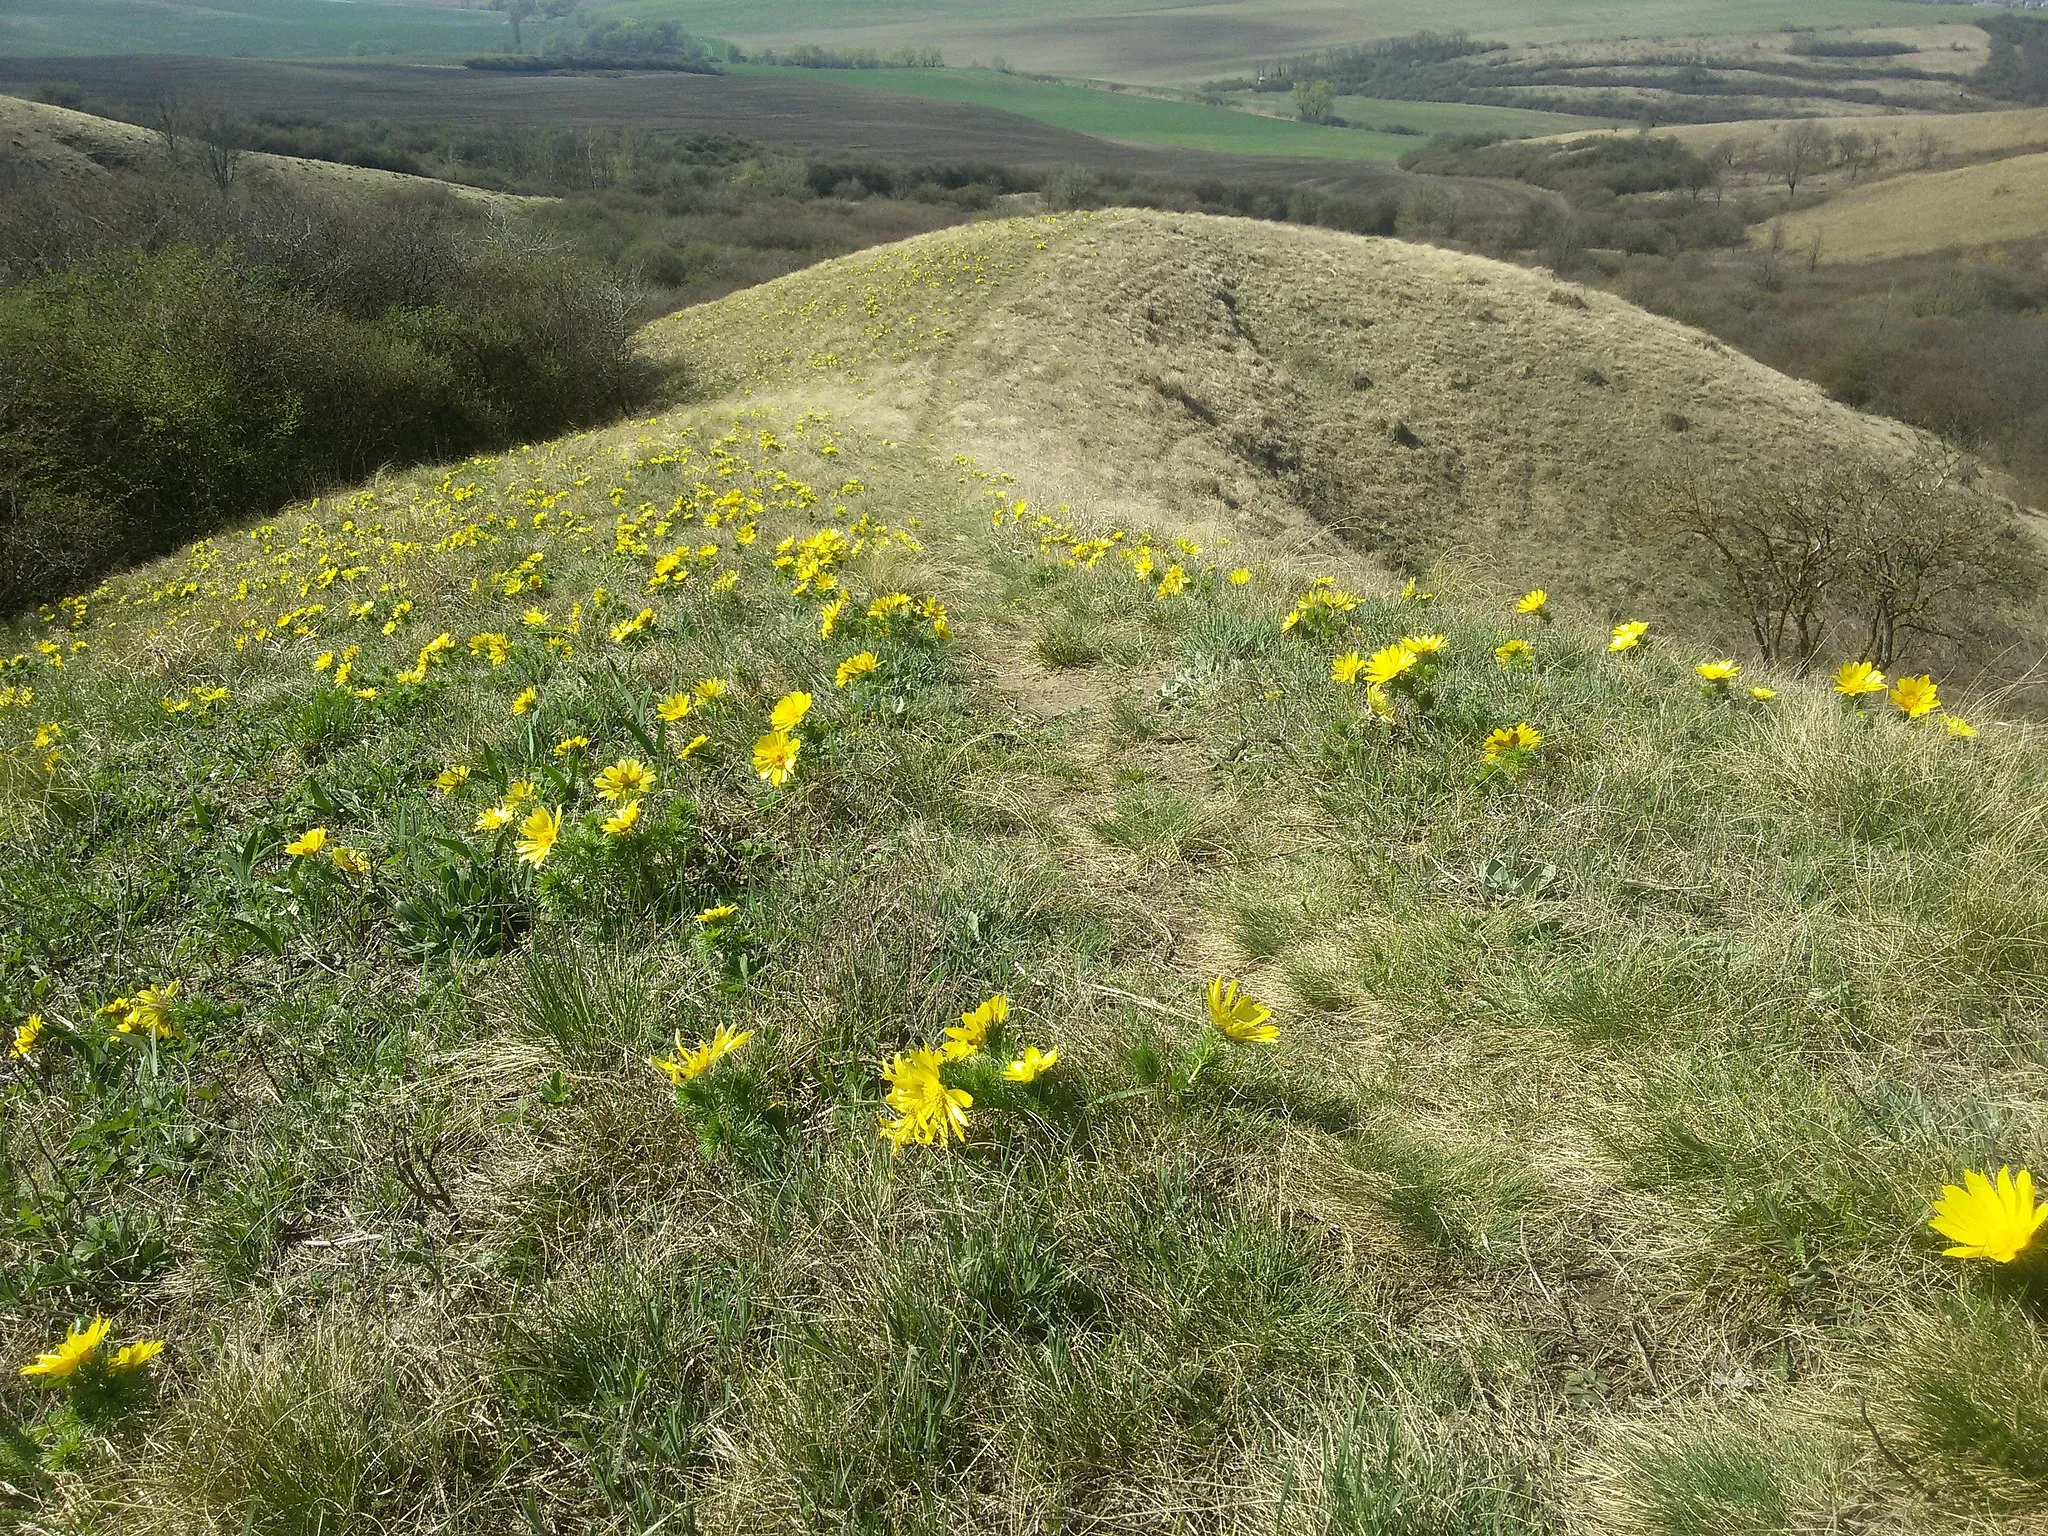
column 1582, row 1188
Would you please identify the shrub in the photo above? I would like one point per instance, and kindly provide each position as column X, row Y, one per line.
column 156, row 391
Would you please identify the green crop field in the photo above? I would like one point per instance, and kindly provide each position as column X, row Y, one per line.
column 274, row 29
column 1137, row 119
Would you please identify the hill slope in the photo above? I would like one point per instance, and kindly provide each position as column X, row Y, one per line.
column 1428, row 407
column 58, row 144
column 1927, row 211
column 464, row 937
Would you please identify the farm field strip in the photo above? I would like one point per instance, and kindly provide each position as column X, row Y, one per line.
column 1116, row 115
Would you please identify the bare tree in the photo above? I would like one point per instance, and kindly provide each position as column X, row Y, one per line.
column 518, row 12
column 1775, row 547
column 1869, row 555
column 171, row 115
column 218, row 148
column 1798, row 151
column 1857, row 152
column 1926, row 555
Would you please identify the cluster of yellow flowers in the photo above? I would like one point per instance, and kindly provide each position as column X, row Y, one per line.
column 309, row 844
column 1914, row 697
column 925, row 1108
column 80, row 1351
column 149, row 1014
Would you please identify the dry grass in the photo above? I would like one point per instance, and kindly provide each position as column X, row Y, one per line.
column 58, row 143
column 1583, row 1191
column 1314, row 389
column 1955, row 133
column 1913, row 215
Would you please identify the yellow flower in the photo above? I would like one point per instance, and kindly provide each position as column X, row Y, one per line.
column 1238, row 578
column 519, row 791
column 711, row 917
column 150, row 1013
column 49, row 735
column 449, row 780
column 1915, row 696
column 828, row 616
column 1532, row 601
column 927, row 1110
column 1956, row 725
column 308, row 843
column 1856, row 678
column 1239, row 1015
column 627, row 779
column 889, row 603
column 494, row 648
column 1174, row 582
column 1513, row 652
column 789, row 711
column 858, row 665
column 626, row 629
column 1987, row 1220
column 675, row 706
column 323, row 661
column 523, row 705
column 711, row 688
column 534, row 618
column 1512, row 739
column 1422, row 645
column 1345, row 668
column 775, row 757
column 620, row 822
column 1388, row 664
column 25, row 1037
column 133, row 1357
column 680, row 1065
column 1718, row 672
column 537, row 836
column 352, row 862
column 1762, row 694
column 570, row 744
column 971, row 1033
column 77, row 1348
column 493, row 817
column 1627, row 636
column 1033, row 1064
column 1412, row 593
column 691, row 746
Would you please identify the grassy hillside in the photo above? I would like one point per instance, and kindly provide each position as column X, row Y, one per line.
column 1927, row 211
column 1581, row 1184
column 48, row 143
column 1432, row 407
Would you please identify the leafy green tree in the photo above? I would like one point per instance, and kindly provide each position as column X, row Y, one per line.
column 1315, row 101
